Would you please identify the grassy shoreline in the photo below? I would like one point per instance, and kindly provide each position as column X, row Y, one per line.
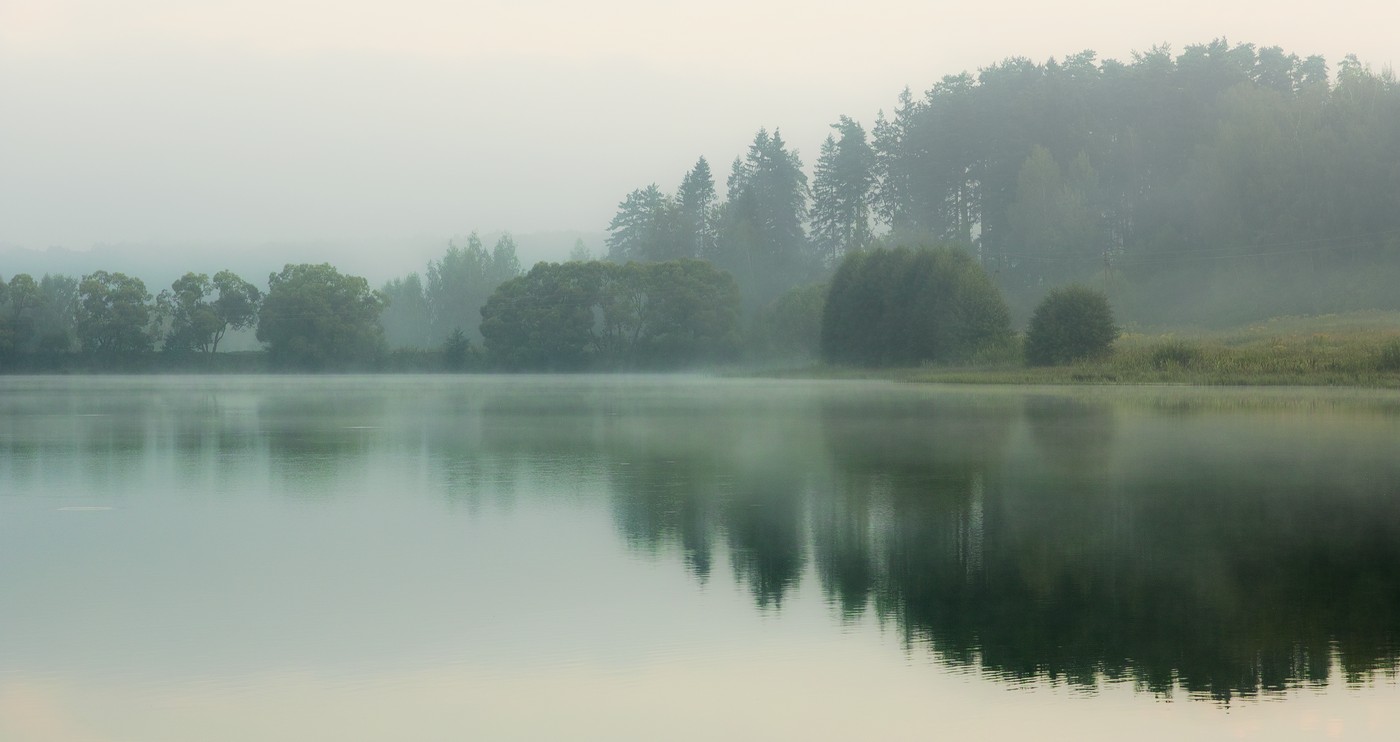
column 1358, row 349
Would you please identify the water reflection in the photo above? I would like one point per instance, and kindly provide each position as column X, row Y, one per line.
column 1235, row 551
column 1222, row 544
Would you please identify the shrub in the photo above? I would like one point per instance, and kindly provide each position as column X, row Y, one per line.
column 455, row 350
column 790, row 327
column 1070, row 324
column 1390, row 356
column 1174, row 354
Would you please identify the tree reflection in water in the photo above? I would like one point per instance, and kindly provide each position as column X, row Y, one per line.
column 1224, row 553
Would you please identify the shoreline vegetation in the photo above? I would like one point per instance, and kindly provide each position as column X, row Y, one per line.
column 1354, row 349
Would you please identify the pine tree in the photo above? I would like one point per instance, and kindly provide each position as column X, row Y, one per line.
column 762, row 240
column 841, row 192
column 696, row 203
column 644, row 227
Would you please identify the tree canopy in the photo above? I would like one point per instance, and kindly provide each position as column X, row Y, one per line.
column 571, row 316
column 197, row 321
column 904, row 307
column 316, row 318
column 1215, row 185
column 114, row 315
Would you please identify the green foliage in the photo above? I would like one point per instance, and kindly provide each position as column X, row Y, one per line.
column 237, row 304
column 1328, row 350
column 904, row 307
column 695, row 204
column 841, row 193
column 647, row 227
column 36, row 320
column 761, row 239
column 543, row 319
column 1175, row 354
column 652, row 226
column 456, row 351
column 197, row 323
column 315, row 318
column 407, row 318
column 791, row 326
column 460, row 282
column 1070, row 324
column 55, row 314
column 570, row 316
column 1389, row 357
column 114, row 315
column 1221, row 184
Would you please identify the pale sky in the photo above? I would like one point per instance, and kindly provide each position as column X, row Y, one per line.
column 249, row 121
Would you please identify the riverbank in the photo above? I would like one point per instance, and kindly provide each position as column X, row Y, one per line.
column 1357, row 349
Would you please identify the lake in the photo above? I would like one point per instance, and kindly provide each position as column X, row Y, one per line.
column 648, row 557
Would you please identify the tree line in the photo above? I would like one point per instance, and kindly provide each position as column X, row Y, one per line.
column 1224, row 183
column 580, row 315
column 310, row 317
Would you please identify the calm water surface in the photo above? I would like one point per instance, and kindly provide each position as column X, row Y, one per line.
column 435, row 558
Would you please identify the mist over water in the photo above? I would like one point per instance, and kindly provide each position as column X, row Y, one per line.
column 459, row 553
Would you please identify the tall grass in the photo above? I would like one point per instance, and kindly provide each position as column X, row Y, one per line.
column 1362, row 349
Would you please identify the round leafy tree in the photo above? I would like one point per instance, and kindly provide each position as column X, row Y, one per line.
column 314, row 318
column 1070, row 324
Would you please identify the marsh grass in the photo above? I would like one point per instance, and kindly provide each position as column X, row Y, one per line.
column 1354, row 349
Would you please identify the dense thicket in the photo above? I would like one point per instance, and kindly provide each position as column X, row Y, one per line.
column 790, row 327
column 1070, row 324
column 905, row 307
column 577, row 315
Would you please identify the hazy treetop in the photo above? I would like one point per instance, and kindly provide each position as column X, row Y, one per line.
column 263, row 120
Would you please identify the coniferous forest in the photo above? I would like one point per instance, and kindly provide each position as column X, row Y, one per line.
column 1215, row 185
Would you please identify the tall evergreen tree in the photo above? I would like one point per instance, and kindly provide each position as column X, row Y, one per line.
column 762, row 241
column 696, row 203
column 460, row 282
column 645, row 228
column 841, row 192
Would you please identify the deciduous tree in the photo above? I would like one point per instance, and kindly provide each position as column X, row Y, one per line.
column 315, row 318
column 114, row 315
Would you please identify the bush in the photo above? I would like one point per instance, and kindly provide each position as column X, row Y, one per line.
column 456, row 350
column 1070, row 324
column 1390, row 356
column 1174, row 354
column 791, row 326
